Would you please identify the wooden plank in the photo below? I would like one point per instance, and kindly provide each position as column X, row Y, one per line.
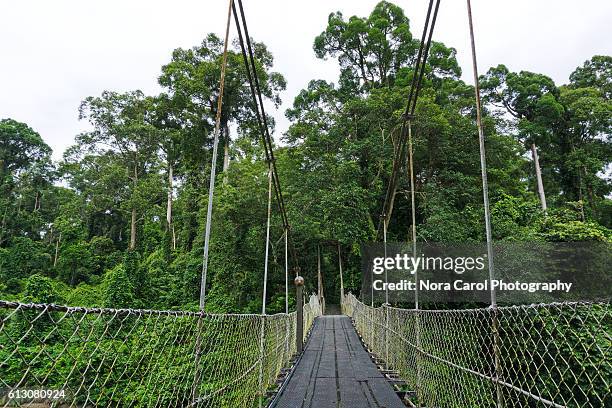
column 326, row 395
column 384, row 394
column 336, row 371
column 353, row 394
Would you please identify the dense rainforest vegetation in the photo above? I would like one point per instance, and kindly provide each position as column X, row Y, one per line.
column 119, row 220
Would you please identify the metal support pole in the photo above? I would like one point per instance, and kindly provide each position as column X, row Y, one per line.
column 286, row 273
column 370, row 338
column 483, row 160
column 387, row 336
column 320, row 281
column 287, row 328
column 386, row 305
column 265, row 277
column 211, row 191
column 485, row 194
column 262, row 357
column 385, row 250
column 213, row 168
column 299, row 305
column 371, row 286
column 417, row 326
column 263, row 300
column 341, row 277
column 413, row 211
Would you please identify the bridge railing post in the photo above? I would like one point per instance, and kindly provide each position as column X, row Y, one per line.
column 387, row 365
column 262, row 358
column 299, row 305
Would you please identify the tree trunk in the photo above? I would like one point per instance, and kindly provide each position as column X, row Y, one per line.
column 3, row 225
column 581, row 199
column 133, row 220
column 226, row 155
column 590, row 192
column 169, row 225
column 133, row 230
column 189, row 219
column 57, row 244
column 536, row 162
column 169, row 205
column 173, row 238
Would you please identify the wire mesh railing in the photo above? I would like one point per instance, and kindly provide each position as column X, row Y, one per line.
column 83, row 357
column 549, row 355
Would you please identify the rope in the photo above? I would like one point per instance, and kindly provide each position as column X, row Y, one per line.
column 286, row 274
column 413, row 210
column 133, row 357
column 548, row 359
column 251, row 71
column 385, row 253
column 265, row 277
column 483, row 159
column 213, row 166
column 211, row 193
column 415, row 87
column 485, row 197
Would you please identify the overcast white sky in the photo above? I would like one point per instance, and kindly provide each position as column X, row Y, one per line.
column 56, row 53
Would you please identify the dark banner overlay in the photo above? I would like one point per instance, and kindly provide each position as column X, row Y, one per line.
column 524, row 272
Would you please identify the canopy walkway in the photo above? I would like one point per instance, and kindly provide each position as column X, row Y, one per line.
column 552, row 355
column 549, row 355
column 336, row 371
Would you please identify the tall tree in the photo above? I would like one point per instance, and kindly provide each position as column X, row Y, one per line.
column 122, row 131
column 594, row 73
column 25, row 170
column 192, row 76
column 532, row 99
column 371, row 50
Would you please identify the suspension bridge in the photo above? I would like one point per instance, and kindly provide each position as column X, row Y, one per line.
column 551, row 355
column 543, row 355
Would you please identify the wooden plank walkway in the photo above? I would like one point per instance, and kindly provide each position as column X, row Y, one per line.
column 336, row 371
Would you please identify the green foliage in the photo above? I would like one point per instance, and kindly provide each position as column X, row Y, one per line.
column 40, row 289
column 119, row 222
column 126, row 225
column 595, row 73
column 20, row 148
column 118, row 289
column 576, row 231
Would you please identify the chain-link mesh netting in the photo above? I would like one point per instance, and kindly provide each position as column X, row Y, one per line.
column 144, row 358
column 548, row 355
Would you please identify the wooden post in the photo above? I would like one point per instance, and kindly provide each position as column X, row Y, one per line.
column 299, row 305
column 321, row 295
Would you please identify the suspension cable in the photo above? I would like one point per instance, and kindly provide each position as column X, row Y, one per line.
column 211, row 192
column 413, row 212
column 417, row 78
column 213, row 167
column 485, row 197
column 286, row 273
column 251, row 72
column 483, row 159
column 419, row 56
column 266, row 133
column 265, row 277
